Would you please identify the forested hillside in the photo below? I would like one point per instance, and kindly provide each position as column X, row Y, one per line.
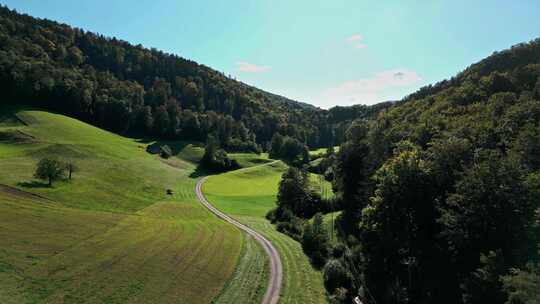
column 135, row 90
column 440, row 194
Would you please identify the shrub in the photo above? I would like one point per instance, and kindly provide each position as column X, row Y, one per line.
column 335, row 276
column 292, row 228
column 315, row 240
column 166, row 151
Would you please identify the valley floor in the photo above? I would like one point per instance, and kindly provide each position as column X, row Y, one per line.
column 247, row 195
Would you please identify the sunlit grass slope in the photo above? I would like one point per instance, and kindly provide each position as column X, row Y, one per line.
column 247, row 195
column 321, row 151
column 250, row 278
column 111, row 235
column 250, row 192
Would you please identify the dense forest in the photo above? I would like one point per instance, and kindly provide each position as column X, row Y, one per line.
column 439, row 195
column 145, row 92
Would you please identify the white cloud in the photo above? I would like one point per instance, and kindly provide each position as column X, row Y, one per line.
column 356, row 41
column 356, row 37
column 247, row 67
column 371, row 90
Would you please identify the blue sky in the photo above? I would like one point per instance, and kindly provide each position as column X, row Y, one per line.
column 327, row 53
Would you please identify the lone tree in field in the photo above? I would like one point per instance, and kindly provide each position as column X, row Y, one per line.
column 50, row 169
column 71, row 167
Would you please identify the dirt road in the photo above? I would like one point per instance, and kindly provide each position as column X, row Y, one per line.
column 276, row 269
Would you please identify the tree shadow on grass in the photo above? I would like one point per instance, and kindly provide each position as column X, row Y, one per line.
column 33, row 184
column 200, row 172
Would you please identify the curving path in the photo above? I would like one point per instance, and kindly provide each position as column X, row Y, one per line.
column 276, row 269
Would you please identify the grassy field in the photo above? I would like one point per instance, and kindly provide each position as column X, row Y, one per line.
column 247, row 195
column 321, row 151
column 250, row 279
column 111, row 235
column 235, row 191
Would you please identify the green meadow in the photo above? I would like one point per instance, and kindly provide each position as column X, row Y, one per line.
column 247, row 195
column 321, row 151
column 111, row 234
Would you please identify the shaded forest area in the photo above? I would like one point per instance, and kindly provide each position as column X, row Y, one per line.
column 439, row 195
